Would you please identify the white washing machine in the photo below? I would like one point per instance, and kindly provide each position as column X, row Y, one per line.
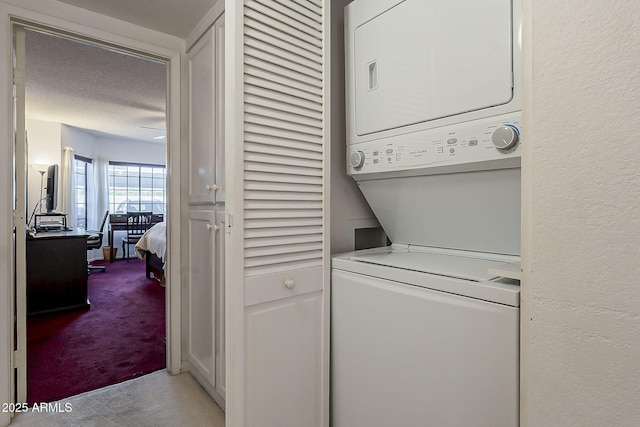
column 426, row 332
column 423, row 337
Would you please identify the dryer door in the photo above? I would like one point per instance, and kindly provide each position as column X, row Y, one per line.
column 425, row 60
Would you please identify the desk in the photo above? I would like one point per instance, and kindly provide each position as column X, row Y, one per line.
column 118, row 222
column 56, row 271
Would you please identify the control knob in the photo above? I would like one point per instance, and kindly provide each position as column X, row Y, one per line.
column 357, row 159
column 505, row 137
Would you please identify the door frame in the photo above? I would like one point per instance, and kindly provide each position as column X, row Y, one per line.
column 128, row 37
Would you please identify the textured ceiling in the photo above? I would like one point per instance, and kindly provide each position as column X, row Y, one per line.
column 175, row 17
column 101, row 91
column 98, row 90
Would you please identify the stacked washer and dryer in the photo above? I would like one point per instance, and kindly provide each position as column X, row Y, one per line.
column 425, row 332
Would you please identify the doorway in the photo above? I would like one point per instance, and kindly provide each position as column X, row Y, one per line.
column 86, row 137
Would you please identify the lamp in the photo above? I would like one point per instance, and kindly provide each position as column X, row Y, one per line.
column 42, row 169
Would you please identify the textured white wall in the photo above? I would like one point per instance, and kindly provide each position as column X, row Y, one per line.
column 122, row 150
column 82, row 142
column 347, row 202
column 43, row 149
column 581, row 223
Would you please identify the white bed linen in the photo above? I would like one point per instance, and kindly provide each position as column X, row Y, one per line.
column 154, row 241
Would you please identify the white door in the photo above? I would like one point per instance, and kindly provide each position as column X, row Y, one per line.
column 20, row 275
column 277, row 258
column 201, row 238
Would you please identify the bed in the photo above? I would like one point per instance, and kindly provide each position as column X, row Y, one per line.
column 151, row 248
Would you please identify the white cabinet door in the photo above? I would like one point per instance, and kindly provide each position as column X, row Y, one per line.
column 203, row 127
column 204, row 177
column 277, row 252
column 201, row 235
column 220, row 298
column 218, row 29
column 284, row 361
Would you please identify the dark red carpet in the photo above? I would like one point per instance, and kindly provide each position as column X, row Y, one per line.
column 121, row 337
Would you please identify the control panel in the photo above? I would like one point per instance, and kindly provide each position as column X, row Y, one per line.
column 464, row 146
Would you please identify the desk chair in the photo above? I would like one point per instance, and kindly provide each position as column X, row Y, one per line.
column 137, row 224
column 94, row 241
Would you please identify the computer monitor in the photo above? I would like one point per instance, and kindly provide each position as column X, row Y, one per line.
column 52, row 188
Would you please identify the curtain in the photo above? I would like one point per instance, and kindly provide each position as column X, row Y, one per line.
column 68, row 186
column 100, row 191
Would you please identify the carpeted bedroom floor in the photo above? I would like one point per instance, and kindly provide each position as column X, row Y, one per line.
column 158, row 399
column 122, row 336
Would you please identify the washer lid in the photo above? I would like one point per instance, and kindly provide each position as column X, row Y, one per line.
column 459, row 267
column 453, row 272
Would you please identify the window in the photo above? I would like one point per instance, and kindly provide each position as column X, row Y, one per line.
column 81, row 166
column 137, row 187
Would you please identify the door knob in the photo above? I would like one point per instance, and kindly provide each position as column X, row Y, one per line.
column 289, row 283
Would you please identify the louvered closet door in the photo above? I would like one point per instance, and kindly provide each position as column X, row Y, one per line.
column 277, row 251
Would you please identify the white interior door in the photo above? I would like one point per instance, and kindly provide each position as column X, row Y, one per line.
column 19, row 359
column 277, row 258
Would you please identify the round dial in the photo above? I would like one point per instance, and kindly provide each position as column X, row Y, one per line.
column 357, row 159
column 504, row 137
